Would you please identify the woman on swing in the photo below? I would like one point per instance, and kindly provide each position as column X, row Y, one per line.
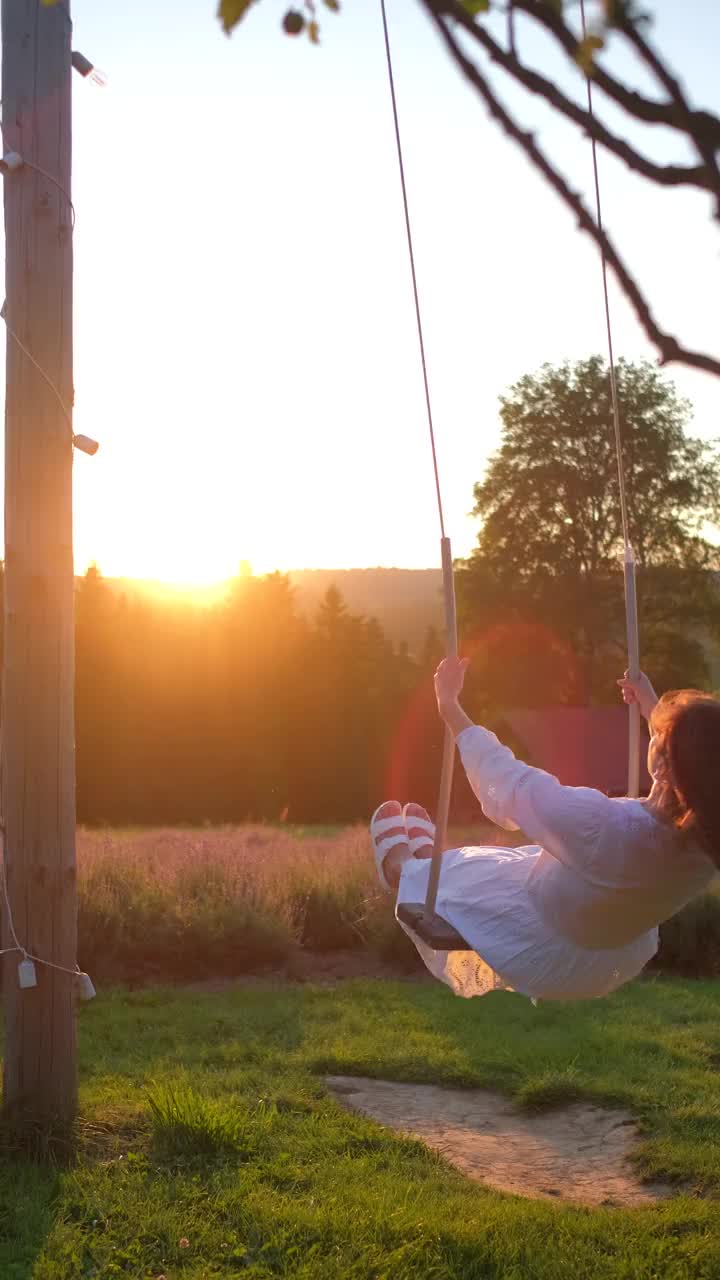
column 575, row 914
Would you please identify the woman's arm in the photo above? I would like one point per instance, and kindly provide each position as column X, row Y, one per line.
column 564, row 820
column 455, row 718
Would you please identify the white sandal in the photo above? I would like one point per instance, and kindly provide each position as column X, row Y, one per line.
column 423, row 824
column 384, row 845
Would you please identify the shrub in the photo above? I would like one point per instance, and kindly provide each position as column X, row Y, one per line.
column 172, row 905
column 328, row 917
column 690, row 941
column 175, row 905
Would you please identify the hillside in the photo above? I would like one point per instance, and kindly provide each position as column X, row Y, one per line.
column 405, row 601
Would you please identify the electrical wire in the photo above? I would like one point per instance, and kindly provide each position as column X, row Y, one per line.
column 28, row 164
column 40, row 370
column 18, row 948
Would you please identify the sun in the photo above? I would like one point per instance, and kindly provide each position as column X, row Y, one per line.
column 178, row 534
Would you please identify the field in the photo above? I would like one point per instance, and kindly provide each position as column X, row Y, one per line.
column 176, row 905
column 181, row 905
column 209, row 1145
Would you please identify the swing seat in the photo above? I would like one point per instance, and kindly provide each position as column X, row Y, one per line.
column 432, row 929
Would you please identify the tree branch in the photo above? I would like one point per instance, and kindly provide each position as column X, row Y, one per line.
column 706, row 149
column 639, row 107
column 667, row 345
column 665, row 175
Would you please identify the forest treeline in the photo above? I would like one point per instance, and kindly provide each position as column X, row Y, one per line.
column 254, row 709
column 245, row 711
column 251, row 711
column 257, row 709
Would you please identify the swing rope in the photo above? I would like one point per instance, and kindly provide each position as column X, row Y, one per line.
column 422, row 918
column 629, row 566
column 448, row 757
column 411, row 253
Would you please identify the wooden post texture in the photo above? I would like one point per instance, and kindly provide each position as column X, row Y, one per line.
column 38, row 763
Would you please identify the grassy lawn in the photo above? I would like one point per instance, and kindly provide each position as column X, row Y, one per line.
column 210, row 1146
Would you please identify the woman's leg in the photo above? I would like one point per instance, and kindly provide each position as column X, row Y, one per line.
column 420, row 829
column 400, row 853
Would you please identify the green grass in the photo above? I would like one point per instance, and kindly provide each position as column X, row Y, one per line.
column 187, row 1125
column 210, row 1147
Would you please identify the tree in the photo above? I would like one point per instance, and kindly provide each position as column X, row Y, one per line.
column 356, row 687
column 95, row 676
column 264, row 642
column 471, row 32
column 551, row 535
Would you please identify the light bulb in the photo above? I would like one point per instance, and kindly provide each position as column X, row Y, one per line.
column 88, row 70
column 11, row 161
column 27, row 976
column 86, row 988
column 86, row 444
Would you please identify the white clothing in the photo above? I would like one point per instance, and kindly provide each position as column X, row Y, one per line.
column 572, row 916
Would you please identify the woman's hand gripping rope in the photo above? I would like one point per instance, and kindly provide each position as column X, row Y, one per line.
column 640, row 691
column 449, row 680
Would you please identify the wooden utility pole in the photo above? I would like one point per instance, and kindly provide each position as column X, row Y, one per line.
column 38, row 760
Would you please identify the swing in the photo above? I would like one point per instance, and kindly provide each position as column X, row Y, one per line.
column 422, row 917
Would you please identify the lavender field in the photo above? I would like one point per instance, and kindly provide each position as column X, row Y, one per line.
column 173, row 904
column 176, row 905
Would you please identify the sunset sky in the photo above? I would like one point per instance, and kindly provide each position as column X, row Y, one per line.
column 245, row 341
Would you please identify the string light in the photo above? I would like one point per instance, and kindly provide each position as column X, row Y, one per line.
column 10, row 163
column 27, row 975
column 84, row 443
column 88, row 70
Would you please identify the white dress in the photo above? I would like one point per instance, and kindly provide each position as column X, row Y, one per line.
column 570, row 917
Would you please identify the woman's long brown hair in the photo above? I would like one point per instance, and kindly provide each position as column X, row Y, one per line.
column 686, row 725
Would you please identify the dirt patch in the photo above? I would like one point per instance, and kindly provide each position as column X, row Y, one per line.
column 325, row 969
column 579, row 1153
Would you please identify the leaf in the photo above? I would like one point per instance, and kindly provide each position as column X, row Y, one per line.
column 334, row 5
column 293, row 23
column 586, row 50
column 313, row 32
column 474, row 7
column 230, row 12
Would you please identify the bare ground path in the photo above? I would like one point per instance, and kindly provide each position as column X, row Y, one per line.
column 579, row 1153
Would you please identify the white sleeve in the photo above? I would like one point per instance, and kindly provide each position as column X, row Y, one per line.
column 566, row 821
